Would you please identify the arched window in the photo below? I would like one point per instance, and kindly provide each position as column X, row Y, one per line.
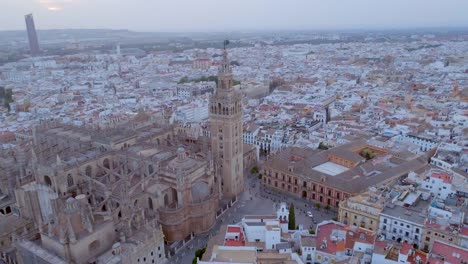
column 150, row 203
column 70, row 180
column 166, row 200
column 89, row 171
column 47, row 180
column 106, row 163
column 150, row 169
column 174, row 196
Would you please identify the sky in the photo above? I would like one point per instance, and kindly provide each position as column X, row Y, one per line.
column 223, row 15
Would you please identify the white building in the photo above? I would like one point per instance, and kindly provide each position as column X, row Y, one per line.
column 262, row 228
column 403, row 220
column 190, row 113
column 439, row 184
column 268, row 140
column 424, row 144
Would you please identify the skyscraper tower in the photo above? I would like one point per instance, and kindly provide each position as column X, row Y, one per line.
column 226, row 131
column 32, row 35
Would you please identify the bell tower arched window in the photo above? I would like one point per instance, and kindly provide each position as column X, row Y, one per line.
column 70, row 180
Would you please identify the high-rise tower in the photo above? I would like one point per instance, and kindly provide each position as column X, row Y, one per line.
column 226, row 131
column 32, row 35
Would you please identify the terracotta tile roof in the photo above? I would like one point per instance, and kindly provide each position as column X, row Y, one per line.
column 238, row 241
column 357, row 234
column 450, row 253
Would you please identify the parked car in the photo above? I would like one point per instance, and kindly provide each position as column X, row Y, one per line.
column 309, row 214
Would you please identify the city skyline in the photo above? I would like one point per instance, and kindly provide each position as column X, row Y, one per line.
column 246, row 131
column 209, row 15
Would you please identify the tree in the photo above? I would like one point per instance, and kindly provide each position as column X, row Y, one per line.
column 184, row 79
column 260, row 176
column 327, row 207
column 198, row 254
column 318, row 206
column 322, row 146
column 311, row 231
column 368, row 154
column 254, row 170
column 335, row 218
column 292, row 218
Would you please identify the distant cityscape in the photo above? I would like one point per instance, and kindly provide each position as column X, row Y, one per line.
column 243, row 147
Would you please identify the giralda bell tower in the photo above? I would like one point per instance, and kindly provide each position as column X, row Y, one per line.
column 226, row 131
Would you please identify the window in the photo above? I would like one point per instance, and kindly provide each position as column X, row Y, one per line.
column 417, row 231
column 70, row 180
column 385, row 220
column 94, row 246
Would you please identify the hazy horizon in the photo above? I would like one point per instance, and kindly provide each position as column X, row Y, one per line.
column 234, row 15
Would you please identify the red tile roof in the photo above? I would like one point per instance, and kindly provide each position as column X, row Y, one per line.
column 405, row 248
column 464, row 231
column 451, row 253
column 443, row 176
column 357, row 234
column 234, row 242
column 323, row 234
column 418, row 255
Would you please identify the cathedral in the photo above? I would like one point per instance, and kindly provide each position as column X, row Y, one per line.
column 122, row 194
